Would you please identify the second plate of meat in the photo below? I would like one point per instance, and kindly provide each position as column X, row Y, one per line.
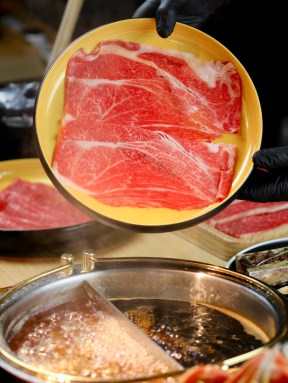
column 146, row 133
column 35, row 219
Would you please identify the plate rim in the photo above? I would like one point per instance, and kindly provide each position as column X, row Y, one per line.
column 27, row 162
column 115, row 222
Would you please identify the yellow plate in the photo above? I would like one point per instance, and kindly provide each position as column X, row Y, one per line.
column 50, row 108
column 28, row 169
column 42, row 241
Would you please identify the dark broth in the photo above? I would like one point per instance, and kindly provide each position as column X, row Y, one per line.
column 191, row 333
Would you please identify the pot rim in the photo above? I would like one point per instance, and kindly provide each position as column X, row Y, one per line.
column 67, row 269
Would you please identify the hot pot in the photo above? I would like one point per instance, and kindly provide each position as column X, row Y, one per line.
column 141, row 278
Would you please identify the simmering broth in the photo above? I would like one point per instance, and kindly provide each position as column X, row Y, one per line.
column 193, row 333
column 76, row 339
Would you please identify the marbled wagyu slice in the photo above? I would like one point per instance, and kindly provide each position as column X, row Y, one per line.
column 139, row 124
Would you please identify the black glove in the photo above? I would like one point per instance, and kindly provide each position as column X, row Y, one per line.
column 167, row 12
column 268, row 181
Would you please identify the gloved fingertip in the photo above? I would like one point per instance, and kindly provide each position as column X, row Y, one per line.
column 164, row 28
column 165, row 22
column 258, row 158
column 163, row 32
column 243, row 196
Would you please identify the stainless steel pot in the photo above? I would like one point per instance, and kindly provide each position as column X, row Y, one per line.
column 155, row 278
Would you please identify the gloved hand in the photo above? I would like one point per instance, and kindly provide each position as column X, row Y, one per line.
column 167, row 12
column 268, row 181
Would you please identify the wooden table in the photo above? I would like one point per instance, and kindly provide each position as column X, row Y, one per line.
column 115, row 243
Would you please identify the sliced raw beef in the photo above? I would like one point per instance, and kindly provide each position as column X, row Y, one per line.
column 244, row 218
column 242, row 209
column 34, row 205
column 150, row 171
column 138, row 127
column 135, row 80
column 269, row 366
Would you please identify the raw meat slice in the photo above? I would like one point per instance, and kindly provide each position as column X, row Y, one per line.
column 204, row 373
column 254, row 224
column 243, row 218
column 192, row 93
column 269, row 366
column 138, row 127
column 120, row 173
column 239, row 209
column 34, row 205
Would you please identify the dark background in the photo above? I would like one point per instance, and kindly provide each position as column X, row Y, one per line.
column 254, row 31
